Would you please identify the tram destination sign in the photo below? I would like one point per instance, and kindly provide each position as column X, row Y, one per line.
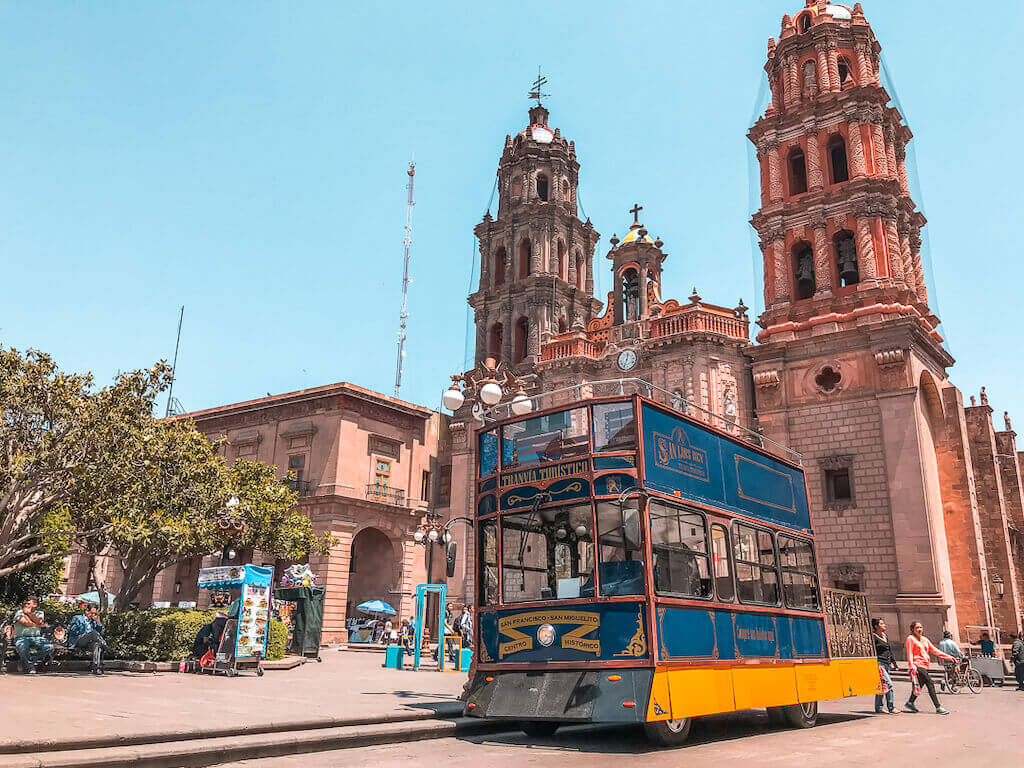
column 544, row 473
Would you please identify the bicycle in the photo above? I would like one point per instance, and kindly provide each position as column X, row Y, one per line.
column 961, row 675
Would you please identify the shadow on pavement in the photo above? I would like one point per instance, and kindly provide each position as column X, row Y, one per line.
column 630, row 739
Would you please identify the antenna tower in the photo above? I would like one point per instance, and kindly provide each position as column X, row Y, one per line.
column 173, row 405
column 404, row 315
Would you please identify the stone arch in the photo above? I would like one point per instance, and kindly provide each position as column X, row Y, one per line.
column 931, row 402
column 499, row 266
column 374, row 569
column 525, row 254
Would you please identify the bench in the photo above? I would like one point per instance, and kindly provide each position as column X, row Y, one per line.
column 61, row 652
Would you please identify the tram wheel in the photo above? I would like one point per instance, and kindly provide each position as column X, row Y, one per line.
column 974, row 680
column 669, row 733
column 803, row 715
column 539, row 729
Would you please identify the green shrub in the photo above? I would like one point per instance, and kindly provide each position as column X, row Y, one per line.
column 176, row 631
column 277, row 640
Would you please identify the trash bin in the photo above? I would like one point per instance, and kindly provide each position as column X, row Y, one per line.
column 466, row 659
column 394, row 657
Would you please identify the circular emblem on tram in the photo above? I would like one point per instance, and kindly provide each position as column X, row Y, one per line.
column 545, row 635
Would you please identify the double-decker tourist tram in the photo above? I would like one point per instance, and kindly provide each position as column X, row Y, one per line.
column 639, row 564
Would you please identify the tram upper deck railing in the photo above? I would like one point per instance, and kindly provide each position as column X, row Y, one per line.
column 568, row 396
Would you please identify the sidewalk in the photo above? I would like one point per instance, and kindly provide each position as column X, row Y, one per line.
column 73, row 707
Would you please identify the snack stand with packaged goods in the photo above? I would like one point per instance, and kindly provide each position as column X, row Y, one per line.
column 243, row 643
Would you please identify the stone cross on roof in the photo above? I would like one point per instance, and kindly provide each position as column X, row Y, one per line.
column 635, row 210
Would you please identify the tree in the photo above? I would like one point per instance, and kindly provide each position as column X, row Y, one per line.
column 172, row 506
column 58, row 437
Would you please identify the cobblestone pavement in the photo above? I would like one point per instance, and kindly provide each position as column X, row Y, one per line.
column 346, row 685
column 983, row 730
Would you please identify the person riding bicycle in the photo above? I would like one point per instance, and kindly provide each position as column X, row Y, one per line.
column 949, row 646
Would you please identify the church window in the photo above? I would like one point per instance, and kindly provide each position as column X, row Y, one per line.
column 522, row 332
column 803, row 257
column 542, row 187
column 517, row 187
column 828, row 379
column 844, row 72
column 565, row 190
column 837, row 159
column 562, row 265
column 524, row 259
column 804, row 24
column 630, row 295
column 797, row 172
column 846, row 258
column 838, row 486
column 581, row 277
column 494, row 342
column 500, row 261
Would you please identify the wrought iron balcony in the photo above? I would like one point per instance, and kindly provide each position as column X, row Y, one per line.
column 385, row 494
column 302, row 487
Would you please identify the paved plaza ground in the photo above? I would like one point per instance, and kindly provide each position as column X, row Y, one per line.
column 983, row 730
column 346, row 685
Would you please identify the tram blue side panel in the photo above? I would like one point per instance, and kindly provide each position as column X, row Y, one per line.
column 702, row 465
column 693, row 634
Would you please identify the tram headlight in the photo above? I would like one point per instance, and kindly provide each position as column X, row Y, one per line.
column 545, row 635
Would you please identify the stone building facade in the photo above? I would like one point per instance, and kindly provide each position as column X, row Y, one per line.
column 365, row 472
column 916, row 499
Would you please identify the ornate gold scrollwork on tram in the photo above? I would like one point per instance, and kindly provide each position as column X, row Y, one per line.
column 847, row 624
column 637, row 645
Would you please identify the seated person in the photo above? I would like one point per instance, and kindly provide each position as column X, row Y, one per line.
column 28, row 637
column 948, row 645
column 988, row 648
column 208, row 637
column 86, row 632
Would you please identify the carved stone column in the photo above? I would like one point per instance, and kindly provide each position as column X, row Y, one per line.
column 857, row 166
column 822, row 257
column 824, row 78
column 832, row 56
column 892, row 242
column 890, row 150
column 792, row 82
column 863, row 66
column 901, row 168
column 915, row 258
column 815, row 175
column 774, row 172
column 781, row 265
column 536, row 251
column 866, row 261
column 769, row 282
column 881, row 162
column 909, row 273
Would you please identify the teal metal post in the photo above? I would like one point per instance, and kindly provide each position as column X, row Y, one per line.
column 422, row 590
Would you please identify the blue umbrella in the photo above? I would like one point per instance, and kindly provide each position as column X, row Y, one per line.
column 376, row 606
column 94, row 597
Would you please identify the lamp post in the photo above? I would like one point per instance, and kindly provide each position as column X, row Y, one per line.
column 998, row 581
column 428, row 532
column 486, row 385
column 228, row 522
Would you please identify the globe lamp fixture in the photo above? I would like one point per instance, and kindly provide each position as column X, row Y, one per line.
column 486, row 386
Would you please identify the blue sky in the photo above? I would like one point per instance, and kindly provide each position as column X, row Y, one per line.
column 247, row 160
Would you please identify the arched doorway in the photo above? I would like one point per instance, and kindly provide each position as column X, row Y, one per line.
column 371, row 570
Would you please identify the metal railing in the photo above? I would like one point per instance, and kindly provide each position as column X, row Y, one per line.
column 566, row 396
column 385, row 494
column 302, row 487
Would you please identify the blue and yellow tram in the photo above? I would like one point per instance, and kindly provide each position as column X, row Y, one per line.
column 634, row 564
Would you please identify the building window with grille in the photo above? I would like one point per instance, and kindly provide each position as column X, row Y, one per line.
column 838, row 486
column 296, row 468
column 381, row 477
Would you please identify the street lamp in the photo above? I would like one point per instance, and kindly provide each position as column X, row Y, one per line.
column 487, row 384
column 428, row 532
column 998, row 581
column 227, row 521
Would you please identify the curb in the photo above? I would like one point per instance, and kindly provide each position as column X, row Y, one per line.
column 207, row 752
column 445, row 711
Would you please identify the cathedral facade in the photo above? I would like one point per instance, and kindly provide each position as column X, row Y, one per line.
column 916, row 499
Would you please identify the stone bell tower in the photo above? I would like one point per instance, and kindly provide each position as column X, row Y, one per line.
column 536, row 256
column 850, row 369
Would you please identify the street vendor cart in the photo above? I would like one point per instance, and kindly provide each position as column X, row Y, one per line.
column 989, row 665
column 243, row 644
column 307, row 618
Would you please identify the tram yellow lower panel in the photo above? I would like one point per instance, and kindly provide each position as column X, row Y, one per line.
column 860, row 676
column 691, row 692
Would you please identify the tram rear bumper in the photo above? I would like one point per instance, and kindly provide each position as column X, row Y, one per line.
column 581, row 696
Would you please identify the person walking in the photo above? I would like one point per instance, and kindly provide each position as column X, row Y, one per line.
column 1017, row 657
column 87, row 632
column 918, row 649
column 883, row 651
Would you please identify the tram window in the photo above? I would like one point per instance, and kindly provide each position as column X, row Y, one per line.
column 548, row 555
column 720, row 563
column 757, row 578
column 544, row 439
column 680, row 547
column 799, row 574
column 614, row 427
column 488, row 563
column 621, row 562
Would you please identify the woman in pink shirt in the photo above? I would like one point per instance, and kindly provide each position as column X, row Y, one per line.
column 918, row 648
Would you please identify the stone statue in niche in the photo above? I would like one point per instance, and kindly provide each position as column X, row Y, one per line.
column 810, row 80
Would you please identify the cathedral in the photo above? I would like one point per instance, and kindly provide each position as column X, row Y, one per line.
column 916, row 498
